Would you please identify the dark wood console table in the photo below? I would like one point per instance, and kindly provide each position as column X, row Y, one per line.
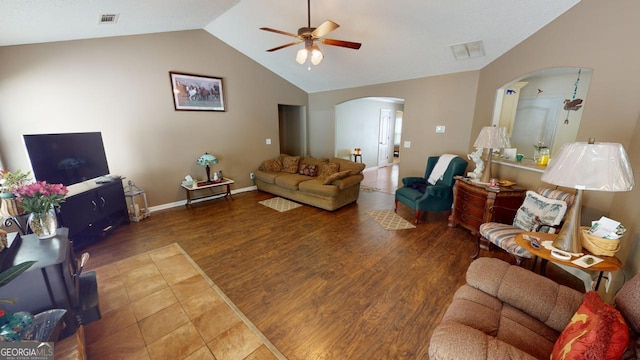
column 476, row 203
column 91, row 210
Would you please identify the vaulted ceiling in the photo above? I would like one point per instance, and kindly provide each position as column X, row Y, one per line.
column 400, row 39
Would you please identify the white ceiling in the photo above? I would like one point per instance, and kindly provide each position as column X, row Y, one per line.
column 400, row 39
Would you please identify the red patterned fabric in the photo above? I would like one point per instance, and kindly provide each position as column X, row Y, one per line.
column 596, row 331
column 309, row 170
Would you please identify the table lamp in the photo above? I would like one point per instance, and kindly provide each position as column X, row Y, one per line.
column 205, row 160
column 586, row 166
column 491, row 137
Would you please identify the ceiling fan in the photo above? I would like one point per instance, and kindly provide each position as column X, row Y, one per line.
column 308, row 35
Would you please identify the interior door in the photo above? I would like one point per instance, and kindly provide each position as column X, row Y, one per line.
column 536, row 120
column 383, row 138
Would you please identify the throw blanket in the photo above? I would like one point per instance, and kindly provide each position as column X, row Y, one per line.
column 440, row 168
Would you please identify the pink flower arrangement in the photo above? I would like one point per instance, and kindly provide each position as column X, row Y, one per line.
column 39, row 197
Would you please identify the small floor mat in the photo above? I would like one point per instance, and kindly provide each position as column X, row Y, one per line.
column 280, row 204
column 389, row 220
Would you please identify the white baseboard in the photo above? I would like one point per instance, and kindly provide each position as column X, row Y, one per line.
column 184, row 202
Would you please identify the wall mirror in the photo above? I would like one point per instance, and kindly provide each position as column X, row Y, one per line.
column 545, row 106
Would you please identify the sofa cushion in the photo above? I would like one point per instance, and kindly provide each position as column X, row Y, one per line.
column 272, row 165
column 307, row 169
column 537, row 209
column 596, row 331
column 315, row 187
column 291, row 181
column 503, row 236
column 267, row 176
column 354, row 167
column 314, row 161
column 290, row 164
column 328, row 169
column 336, row 176
column 627, row 302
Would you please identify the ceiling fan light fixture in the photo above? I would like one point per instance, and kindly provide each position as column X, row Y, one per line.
column 316, row 55
column 301, row 56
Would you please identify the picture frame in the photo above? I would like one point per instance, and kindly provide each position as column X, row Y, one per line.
column 193, row 92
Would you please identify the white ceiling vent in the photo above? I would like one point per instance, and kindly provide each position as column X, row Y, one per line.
column 108, row 19
column 468, row 50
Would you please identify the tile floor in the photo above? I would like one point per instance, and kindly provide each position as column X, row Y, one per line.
column 160, row 305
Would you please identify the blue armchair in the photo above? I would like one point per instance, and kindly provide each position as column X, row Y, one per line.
column 419, row 195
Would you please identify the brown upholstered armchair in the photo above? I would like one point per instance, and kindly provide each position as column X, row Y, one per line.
column 498, row 315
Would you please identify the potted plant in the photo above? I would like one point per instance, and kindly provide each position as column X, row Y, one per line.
column 40, row 200
column 10, row 181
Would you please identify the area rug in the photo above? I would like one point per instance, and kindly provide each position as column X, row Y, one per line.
column 280, row 204
column 369, row 189
column 389, row 220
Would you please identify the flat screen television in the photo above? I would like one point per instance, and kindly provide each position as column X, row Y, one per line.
column 68, row 158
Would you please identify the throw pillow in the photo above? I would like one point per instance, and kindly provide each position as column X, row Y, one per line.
column 273, row 165
column 596, row 331
column 328, row 169
column 336, row 176
column 536, row 210
column 290, row 164
column 309, row 170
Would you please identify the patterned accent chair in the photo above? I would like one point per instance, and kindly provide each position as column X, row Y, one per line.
column 543, row 211
column 419, row 195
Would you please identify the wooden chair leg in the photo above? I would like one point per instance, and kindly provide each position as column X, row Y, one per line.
column 477, row 248
column 395, row 208
column 417, row 215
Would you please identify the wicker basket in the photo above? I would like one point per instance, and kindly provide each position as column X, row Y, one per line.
column 599, row 246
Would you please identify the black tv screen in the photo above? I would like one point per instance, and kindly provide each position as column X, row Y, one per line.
column 67, row 158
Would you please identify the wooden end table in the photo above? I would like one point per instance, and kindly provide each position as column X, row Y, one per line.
column 608, row 263
column 211, row 187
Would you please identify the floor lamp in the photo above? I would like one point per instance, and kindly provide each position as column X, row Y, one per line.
column 586, row 166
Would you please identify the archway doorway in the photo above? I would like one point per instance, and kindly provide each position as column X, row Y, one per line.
column 373, row 125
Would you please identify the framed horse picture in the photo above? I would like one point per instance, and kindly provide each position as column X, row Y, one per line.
column 196, row 92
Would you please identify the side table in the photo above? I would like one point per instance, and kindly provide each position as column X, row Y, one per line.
column 211, row 187
column 609, row 263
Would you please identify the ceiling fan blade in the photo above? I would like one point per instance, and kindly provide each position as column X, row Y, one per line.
column 347, row 44
column 324, row 28
column 284, row 46
column 279, row 32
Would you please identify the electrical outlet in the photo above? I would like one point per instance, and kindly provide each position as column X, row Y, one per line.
column 407, row 144
column 440, row 129
column 268, row 141
column 252, row 176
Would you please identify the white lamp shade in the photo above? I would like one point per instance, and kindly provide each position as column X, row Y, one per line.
column 301, row 56
column 596, row 166
column 492, row 137
column 316, row 55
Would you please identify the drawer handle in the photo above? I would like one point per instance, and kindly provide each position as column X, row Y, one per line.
column 95, row 206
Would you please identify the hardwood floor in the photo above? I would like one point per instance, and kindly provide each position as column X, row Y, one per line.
column 318, row 284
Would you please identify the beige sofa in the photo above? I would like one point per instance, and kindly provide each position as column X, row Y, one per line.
column 507, row 312
column 324, row 183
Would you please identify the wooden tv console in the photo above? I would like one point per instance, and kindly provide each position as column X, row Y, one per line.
column 91, row 210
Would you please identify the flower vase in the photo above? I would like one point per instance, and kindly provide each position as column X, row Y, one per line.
column 44, row 225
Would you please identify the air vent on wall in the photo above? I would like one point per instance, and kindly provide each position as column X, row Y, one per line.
column 108, row 19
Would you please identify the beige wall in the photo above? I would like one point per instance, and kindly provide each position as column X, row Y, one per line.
column 594, row 34
column 440, row 100
column 120, row 86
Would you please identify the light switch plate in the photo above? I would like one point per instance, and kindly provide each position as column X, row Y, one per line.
column 407, row 144
column 268, row 141
column 440, row 129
